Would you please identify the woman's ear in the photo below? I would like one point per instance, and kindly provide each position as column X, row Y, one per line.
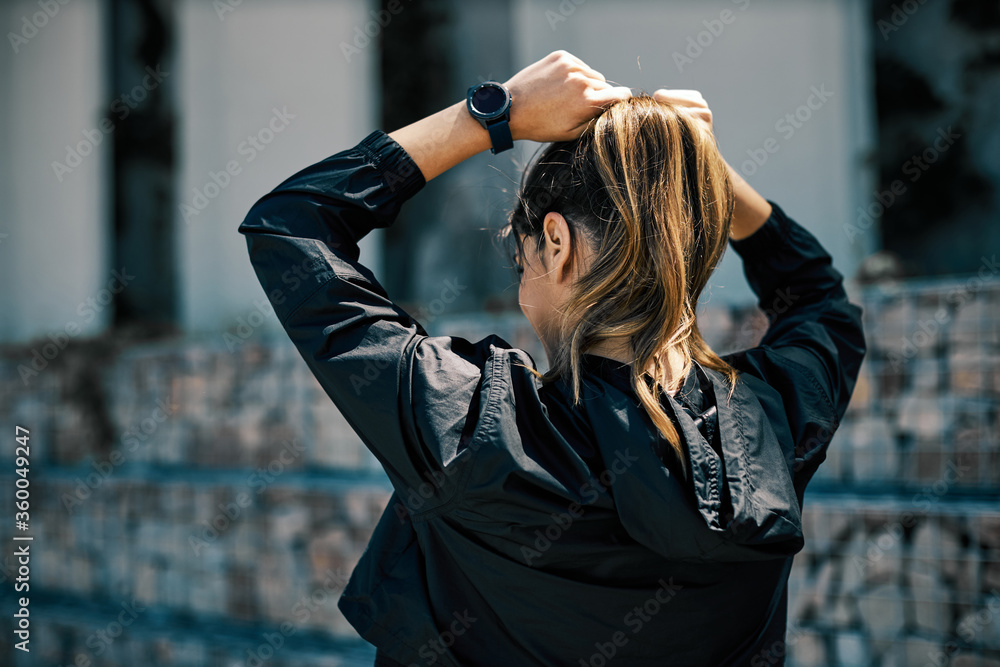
column 558, row 249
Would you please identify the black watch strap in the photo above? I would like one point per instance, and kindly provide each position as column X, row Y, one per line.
column 500, row 136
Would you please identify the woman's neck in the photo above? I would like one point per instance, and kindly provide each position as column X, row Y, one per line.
column 623, row 354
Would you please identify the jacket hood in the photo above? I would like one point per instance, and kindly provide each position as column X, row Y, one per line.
column 738, row 502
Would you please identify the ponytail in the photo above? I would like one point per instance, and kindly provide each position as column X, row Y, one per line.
column 646, row 187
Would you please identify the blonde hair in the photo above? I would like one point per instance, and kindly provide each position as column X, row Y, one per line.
column 647, row 189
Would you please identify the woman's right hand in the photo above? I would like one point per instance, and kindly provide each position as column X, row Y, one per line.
column 555, row 98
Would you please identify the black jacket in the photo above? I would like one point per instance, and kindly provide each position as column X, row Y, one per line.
column 524, row 531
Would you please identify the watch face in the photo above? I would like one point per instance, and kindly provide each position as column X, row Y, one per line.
column 488, row 99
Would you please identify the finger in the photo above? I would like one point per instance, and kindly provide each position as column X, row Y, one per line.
column 681, row 97
column 691, row 105
column 608, row 96
column 702, row 115
column 592, row 73
column 685, row 93
column 681, row 100
column 588, row 70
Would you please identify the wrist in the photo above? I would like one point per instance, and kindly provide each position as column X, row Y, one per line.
column 489, row 104
column 468, row 130
column 750, row 209
column 442, row 140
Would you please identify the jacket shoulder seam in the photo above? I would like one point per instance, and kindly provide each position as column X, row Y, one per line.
column 306, row 298
column 743, row 460
column 476, row 443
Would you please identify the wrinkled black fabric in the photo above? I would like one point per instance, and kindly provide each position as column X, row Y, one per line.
column 524, row 530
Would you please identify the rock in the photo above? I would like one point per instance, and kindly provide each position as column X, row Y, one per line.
column 884, row 554
column 843, row 612
column 287, row 524
column 930, row 608
column 968, row 370
column 873, row 452
column 328, row 550
column 922, row 652
column 807, row 648
column 881, row 611
column 920, row 416
column 852, row 649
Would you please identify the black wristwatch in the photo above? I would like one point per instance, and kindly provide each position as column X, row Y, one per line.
column 489, row 103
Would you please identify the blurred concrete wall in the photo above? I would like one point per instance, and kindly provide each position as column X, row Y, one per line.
column 263, row 90
column 759, row 66
column 220, row 493
column 266, row 91
column 938, row 99
column 141, row 451
column 790, row 84
column 54, row 239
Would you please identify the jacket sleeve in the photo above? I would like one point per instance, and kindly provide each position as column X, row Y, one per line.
column 812, row 350
column 402, row 391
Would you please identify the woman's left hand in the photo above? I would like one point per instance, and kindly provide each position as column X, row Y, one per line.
column 689, row 100
column 556, row 98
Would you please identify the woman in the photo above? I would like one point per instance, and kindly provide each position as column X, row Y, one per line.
column 641, row 500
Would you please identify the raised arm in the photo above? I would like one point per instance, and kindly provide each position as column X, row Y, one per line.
column 408, row 395
column 553, row 100
column 812, row 350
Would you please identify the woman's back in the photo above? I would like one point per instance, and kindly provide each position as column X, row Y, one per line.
column 544, row 522
column 566, row 536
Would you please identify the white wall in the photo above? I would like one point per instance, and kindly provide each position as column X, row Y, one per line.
column 53, row 236
column 234, row 69
column 753, row 70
